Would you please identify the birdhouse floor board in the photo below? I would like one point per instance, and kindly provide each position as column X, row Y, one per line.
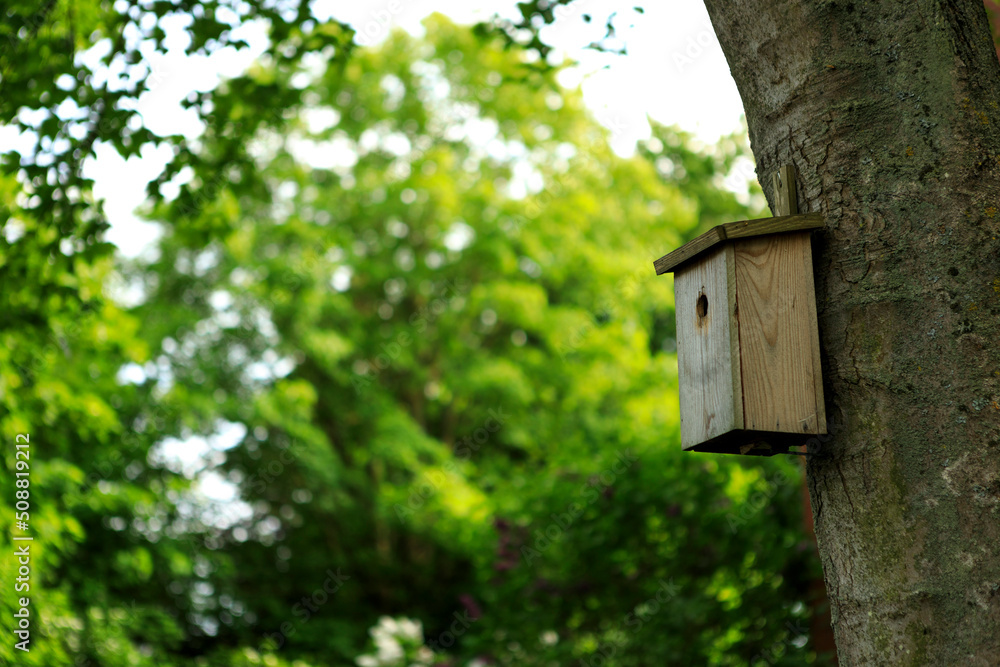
column 751, row 443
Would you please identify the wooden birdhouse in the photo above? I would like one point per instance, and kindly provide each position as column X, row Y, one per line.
column 747, row 337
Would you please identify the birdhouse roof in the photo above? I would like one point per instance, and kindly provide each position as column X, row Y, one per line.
column 736, row 230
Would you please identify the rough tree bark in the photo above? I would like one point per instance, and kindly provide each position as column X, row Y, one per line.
column 890, row 111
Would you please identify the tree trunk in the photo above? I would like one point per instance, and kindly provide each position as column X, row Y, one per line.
column 890, row 112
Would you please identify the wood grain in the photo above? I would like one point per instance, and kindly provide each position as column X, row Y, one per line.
column 778, row 334
column 736, row 230
column 783, row 183
column 708, row 353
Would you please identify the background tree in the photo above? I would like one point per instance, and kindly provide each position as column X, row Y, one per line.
column 467, row 346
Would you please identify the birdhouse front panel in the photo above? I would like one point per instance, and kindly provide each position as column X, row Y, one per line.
column 708, row 347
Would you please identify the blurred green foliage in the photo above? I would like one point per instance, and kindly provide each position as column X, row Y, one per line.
column 405, row 301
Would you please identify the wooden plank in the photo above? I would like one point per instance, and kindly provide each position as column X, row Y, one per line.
column 736, row 230
column 734, row 336
column 786, row 203
column 689, row 250
column 783, row 184
column 708, row 355
column 779, row 351
column 813, row 325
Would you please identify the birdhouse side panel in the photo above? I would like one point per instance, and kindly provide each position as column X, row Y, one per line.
column 778, row 334
column 708, row 355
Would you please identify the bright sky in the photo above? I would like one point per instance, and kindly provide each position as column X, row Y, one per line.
column 674, row 72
